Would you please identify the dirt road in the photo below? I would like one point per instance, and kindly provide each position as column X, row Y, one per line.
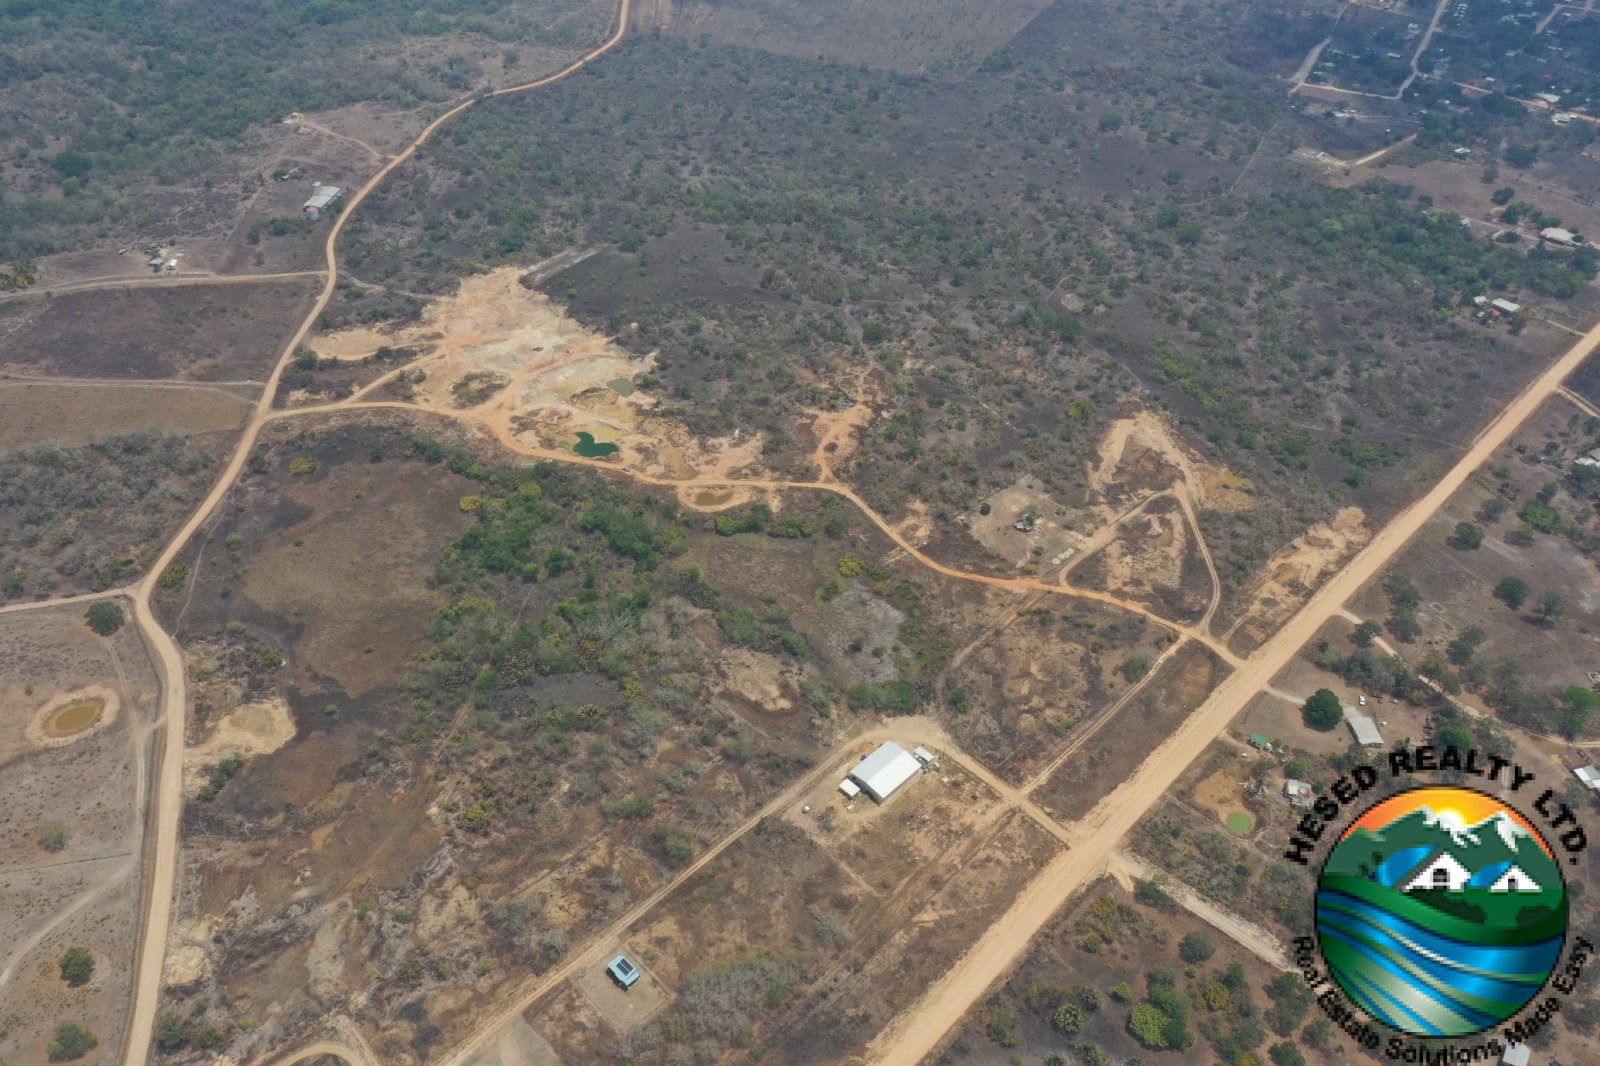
column 156, row 281
column 161, row 874
column 919, row 1031
column 1268, row 948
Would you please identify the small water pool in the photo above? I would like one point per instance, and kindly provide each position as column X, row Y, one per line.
column 590, row 448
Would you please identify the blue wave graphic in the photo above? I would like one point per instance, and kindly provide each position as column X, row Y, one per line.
column 1424, row 982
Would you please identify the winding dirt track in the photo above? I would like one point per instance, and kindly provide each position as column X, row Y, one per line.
column 161, row 871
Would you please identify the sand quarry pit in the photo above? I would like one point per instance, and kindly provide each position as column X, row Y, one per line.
column 1222, row 794
column 1291, row 575
column 73, row 716
column 1141, row 453
column 249, row 729
column 511, row 360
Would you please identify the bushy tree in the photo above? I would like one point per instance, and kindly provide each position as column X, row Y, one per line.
column 104, row 617
column 77, row 966
column 1196, row 948
column 1512, row 591
column 1469, row 536
column 1323, row 711
column 72, row 1041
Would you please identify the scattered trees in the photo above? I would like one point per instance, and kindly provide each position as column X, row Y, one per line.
column 1469, row 536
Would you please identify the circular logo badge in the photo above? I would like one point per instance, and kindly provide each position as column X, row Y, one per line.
column 1441, row 912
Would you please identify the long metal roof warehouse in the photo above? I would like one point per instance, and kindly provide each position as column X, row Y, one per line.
column 882, row 773
column 1365, row 730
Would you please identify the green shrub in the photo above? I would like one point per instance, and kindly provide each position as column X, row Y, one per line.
column 77, row 966
column 628, row 807
column 1196, row 948
column 1068, row 1019
column 72, row 1041
column 52, row 836
column 1003, row 1026
column 1148, row 1025
column 105, row 618
column 675, row 844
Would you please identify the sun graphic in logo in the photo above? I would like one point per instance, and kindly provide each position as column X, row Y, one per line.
column 1441, row 912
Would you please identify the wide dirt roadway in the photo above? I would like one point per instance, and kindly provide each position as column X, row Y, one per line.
column 919, row 1031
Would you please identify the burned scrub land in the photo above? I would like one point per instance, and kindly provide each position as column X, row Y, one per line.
column 1124, row 975
column 1009, row 254
column 190, row 332
column 1095, row 766
column 516, row 700
column 150, row 111
column 79, row 518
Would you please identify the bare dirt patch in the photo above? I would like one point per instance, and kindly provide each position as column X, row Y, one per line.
column 1049, row 543
column 1291, row 575
column 1222, row 793
column 81, row 414
column 256, row 728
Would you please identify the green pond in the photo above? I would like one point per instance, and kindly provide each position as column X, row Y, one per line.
column 621, row 386
column 589, row 448
column 1239, row 823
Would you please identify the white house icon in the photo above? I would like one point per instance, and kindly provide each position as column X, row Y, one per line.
column 1515, row 880
column 1442, row 871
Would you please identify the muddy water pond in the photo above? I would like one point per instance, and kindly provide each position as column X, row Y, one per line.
column 712, row 499
column 75, row 717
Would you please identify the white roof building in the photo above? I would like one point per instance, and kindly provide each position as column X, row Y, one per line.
column 1588, row 774
column 1506, row 307
column 882, row 773
column 321, row 196
column 1590, row 459
column 1516, row 1055
column 849, row 788
column 1556, row 235
column 1443, row 872
column 1365, row 731
column 1299, row 793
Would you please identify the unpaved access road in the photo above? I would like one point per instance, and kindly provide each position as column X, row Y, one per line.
column 919, row 1031
column 162, row 870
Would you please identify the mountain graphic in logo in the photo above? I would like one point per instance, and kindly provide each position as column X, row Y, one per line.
column 1441, row 912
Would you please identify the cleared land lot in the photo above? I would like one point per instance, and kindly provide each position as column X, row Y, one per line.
column 80, row 414
column 82, row 768
column 194, row 332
